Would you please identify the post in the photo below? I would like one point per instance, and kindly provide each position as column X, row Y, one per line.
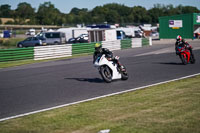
column 150, row 41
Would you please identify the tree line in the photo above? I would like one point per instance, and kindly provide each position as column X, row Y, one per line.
column 48, row 14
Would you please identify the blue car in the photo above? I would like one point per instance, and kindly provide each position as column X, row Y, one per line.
column 30, row 42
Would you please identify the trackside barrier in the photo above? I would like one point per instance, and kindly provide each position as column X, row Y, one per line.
column 82, row 48
column 150, row 41
column 16, row 54
column 145, row 41
column 65, row 50
column 127, row 43
column 112, row 45
column 136, row 42
column 54, row 51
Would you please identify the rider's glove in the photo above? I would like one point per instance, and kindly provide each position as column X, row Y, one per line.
column 117, row 57
column 109, row 59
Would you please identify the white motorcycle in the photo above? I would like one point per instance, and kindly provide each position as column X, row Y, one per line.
column 109, row 70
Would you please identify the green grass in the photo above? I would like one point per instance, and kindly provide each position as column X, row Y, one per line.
column 168, row 108
column 9, row 42
column 17, row 63
column 31, row 61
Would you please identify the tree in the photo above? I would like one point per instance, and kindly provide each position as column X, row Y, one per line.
column 112, row 17
column 122, row 10
column 48, row 15
column 169, row 10
column 190, row 9
column 117, row 13
column 5, row 11
column 98, row 14
column 25, row 11
column 111, row 13
column 156, row 12
column 76, row 11
column 140, row 15
column 80, row 16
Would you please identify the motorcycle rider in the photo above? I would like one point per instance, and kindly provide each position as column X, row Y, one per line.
column 181, row 43
column 108, row 54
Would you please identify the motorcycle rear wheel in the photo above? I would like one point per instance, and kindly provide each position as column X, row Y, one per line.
column 106, row 74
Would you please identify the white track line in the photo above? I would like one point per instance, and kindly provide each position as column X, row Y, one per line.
column 64, row 105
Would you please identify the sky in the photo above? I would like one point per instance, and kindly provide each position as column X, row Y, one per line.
column 65, row 6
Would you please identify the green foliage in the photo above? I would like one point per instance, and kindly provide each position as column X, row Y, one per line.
column 48, row 14
column 9, row 43
column 5, row 11
column 24, row 10
column 156, row 12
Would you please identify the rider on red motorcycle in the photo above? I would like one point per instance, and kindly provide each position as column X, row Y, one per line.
column 181, row 43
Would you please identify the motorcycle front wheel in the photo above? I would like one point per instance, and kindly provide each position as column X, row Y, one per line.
column 124, row 75
column 183, row 58
column 106, row 74
column 192, row 59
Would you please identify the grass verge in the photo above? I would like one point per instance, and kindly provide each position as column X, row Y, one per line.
column 17, row 63
column 168, row 108
column 31, row 61
column 6, row 43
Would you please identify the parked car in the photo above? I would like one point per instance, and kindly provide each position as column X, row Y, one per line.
column 31, row 32
column 154, row 33
column 77, row 40
column 83, row 38
column 138, row 33
column 30, row 42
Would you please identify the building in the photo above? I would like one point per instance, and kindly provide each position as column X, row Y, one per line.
column 184, row 25
column 102, row 34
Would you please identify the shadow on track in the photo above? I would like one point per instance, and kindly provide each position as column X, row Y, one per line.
column 91, row 80
column 168, row 63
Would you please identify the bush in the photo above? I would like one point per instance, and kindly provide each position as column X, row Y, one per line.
column 9, row 42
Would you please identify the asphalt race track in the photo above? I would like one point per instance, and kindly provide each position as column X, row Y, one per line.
column 38, row 86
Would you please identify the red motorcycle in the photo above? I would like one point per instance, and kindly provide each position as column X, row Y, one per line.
column 185, row 54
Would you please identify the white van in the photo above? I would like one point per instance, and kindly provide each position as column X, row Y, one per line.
column 52, row 37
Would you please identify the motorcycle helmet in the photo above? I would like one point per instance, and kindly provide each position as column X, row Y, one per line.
column 98, row 47
column 179, row 38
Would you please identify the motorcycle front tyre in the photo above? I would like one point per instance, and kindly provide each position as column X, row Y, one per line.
column 124, row 75
column 192, row 59
column 183, row 59
column 106, row 74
